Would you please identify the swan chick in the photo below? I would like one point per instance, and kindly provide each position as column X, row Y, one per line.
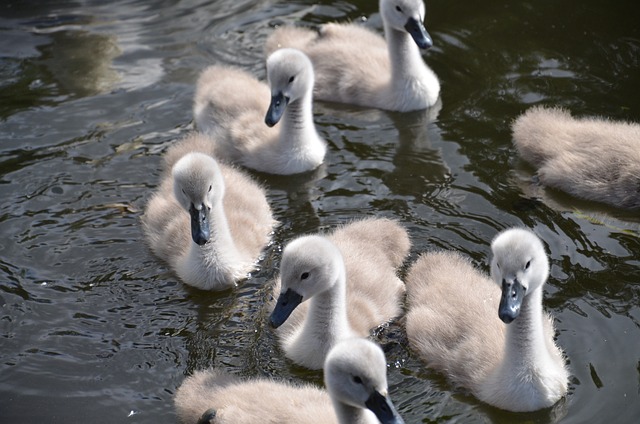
column 489, row 336
column 356, row 392
column 591, row 158
column 233, row 107
column 355, row 65
column 338, row 286
column 207, row 220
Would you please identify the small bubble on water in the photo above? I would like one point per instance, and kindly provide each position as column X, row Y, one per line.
column 37, row 83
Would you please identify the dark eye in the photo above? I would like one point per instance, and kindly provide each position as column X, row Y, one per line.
column 291, row 79
column 210, row 189
column 304, row 276
column 498, row 265
column 399, row 9
column 527, row 265
column 357, row 379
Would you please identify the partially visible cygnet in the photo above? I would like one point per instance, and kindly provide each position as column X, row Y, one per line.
column 592, row 158
column 355, row 377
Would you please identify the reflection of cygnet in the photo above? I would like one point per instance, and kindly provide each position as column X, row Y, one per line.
column 337, row 287
column 355, row 65
column 231, row 106
column 592, row 158
column 457, row 322
column 208, row 221
column 355, row 375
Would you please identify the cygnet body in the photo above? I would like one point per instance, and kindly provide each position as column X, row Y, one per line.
column 338, row 286
column 278, row 138
column 208, row 221
column 357, row 393
column 491, row 337
column 592, row 158
column 357, row 66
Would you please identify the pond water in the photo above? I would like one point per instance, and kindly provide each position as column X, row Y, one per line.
column 94, row 328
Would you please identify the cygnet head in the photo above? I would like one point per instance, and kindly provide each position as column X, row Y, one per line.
column 290, row 77
column 310, row 265
column 519, row 266
column 198, row 185
column 355, row 373
column 406, row 15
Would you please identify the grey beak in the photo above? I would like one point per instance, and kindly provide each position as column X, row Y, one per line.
column 278, row 104
column 418, row 33
column 207, row 417
column 511, row 300
column 199, row 225
column 383, row 408
column 287, row 302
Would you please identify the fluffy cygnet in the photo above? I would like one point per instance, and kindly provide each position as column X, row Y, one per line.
column 279, row 138
column 355, row 377
column 357, row 66
column 338, row 286
column 491, row 337
column 592, row 158
column 207, row 220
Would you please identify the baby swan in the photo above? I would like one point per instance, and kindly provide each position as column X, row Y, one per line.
column 208, row 221
column 592, row 158
column 337, row 287
column 231, row 105
column 453, row 325
column 357, row 66
column 355, row 377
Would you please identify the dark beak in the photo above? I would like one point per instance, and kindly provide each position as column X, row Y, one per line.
column 418, row 33
column 276, row 109
column 207, row 417
column 199, row 225
column 511, row 300
column 383, row 408
column 287, row 302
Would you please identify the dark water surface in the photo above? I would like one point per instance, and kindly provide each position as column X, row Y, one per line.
column 94, row 329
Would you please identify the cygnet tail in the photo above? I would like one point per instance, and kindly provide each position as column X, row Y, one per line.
column 291, row 37
column 193, row 142
column 387, row 235
column 395, row 240
column 541, row 133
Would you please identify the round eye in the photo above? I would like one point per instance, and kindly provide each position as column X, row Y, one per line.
column 357, row 379
column 291, row 79
column 304, row 276
column 399, row 9
column 527, row 265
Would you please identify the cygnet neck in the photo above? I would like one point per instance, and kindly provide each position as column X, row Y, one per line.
column 348, row 414
column 526, row 346
column 404, row 55
column 327, row 315
column 297, row 122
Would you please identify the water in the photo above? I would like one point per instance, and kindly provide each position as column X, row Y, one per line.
column 93, row 327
